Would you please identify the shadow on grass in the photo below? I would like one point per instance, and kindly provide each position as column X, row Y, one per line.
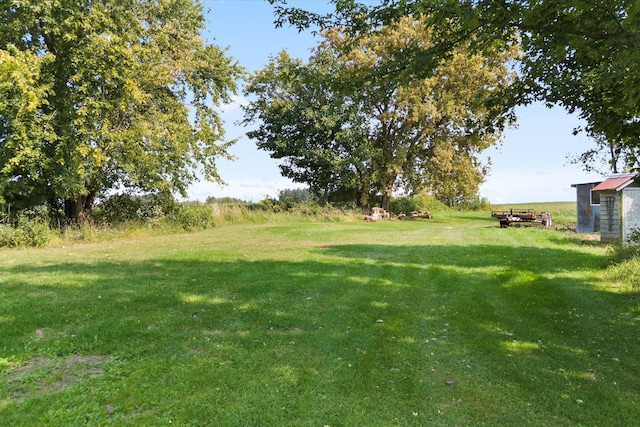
column 579, row 239
column 524, row 333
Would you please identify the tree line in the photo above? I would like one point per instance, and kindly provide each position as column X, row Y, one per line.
column 400, row 96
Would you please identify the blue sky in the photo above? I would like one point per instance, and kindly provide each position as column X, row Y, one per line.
column 530, row 165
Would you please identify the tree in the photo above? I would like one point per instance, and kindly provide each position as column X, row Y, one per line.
column 307, row 123
column 608, row 156
column 118, row 94
column 296, row 195
column 388, row 134
column 580, row 54
column 426, row 133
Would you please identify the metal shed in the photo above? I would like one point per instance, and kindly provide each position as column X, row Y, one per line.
column 619, row 207
column 588, row 207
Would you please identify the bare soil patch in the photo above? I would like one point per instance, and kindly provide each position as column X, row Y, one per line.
column 43, row 375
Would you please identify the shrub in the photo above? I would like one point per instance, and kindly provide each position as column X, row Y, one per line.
column 192, row 216
column 477, row 204
column 146, row 209
column 30, row 228
column 627, row 272
column 270, row 205
column 117, row 209
column 625, row 263
column 312, row 209
column 89, row 231
column 620, row 252
column 418, row 203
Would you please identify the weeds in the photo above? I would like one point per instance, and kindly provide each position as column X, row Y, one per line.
column 28, row 230
column 625, row 263
column 621, row 252
column 124, row 215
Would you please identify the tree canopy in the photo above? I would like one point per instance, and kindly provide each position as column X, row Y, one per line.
column 308, row 123
column 337, row 121
column 102, row 95
column 582, row 55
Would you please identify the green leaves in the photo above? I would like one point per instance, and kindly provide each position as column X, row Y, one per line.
column 308, row 122
column 349, row 127
column 24, row 128
column 582, row 55
column 131, row 94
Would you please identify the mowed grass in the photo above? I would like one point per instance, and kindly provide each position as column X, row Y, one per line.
column 450, row 321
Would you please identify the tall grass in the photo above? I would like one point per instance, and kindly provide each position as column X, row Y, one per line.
column 134, row 219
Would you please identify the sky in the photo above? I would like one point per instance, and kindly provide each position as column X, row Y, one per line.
column 529, row 165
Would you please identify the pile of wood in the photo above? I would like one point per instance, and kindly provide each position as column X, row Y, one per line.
column 376, row 214
column 425, row 214
column 416, row 214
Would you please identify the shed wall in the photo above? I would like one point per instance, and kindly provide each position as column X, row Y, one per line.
column 630, row 212
column 588, row 215
column 610, row 209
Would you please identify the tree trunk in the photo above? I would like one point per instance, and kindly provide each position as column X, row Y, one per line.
column 325, row 196
column 78, row 209
column 386, row 198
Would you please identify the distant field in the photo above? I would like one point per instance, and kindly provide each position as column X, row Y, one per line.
column 445, row 322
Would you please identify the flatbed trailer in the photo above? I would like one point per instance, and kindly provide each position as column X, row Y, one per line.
column 509, row 217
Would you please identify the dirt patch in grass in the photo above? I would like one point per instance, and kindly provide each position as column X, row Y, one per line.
column 43, row 375
column 285, row 331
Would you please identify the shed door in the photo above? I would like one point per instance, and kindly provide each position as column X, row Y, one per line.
column 630, row 212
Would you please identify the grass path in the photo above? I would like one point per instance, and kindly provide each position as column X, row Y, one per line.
column 452, row 321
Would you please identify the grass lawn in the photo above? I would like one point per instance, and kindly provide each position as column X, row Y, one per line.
column 451, row 321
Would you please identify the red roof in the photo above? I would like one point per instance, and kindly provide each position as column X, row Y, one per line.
column 614, row 183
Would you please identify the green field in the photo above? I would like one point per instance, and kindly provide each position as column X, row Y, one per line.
column 450, row 321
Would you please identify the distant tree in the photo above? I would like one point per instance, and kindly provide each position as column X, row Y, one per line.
column 347, row 127
column 224, row 201
column 100, row 95
column 295, row 194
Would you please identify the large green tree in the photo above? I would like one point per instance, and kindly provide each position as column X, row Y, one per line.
column 110, row 94
column 308, row 124
column 581, row 54
column 425, row 133
column 374, row 132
